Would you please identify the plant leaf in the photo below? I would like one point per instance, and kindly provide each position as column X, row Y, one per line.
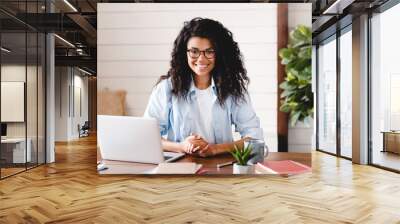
column 297, row 96
column 294, row 118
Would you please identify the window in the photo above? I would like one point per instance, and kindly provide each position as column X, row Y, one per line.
column 327, row 96
column 346, row 93
column 22, row 76
column 385, row 89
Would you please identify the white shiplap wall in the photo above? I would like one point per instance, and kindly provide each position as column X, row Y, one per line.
column 135, row 43
column 300, row 136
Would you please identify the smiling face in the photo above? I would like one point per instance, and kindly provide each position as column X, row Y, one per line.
column 202, row 65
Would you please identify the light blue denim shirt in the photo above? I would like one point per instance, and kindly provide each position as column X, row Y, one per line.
column 176, row 115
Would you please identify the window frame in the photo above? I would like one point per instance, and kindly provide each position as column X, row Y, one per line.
column 333, row 37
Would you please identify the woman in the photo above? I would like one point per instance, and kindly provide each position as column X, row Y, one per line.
column 204, row 93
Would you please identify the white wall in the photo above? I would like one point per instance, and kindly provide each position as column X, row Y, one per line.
column 299, row 13
column 68, row 82
column 300, row 136
column 61, row 103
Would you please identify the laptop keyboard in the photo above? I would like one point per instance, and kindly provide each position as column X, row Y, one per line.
column 167, row 157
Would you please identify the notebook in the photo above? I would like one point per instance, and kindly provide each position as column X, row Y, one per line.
column 177, row 168
column 285, row 167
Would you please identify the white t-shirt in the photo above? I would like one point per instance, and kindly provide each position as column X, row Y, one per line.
column 205, row 102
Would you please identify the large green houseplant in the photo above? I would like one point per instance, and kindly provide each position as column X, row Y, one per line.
column 297, row 97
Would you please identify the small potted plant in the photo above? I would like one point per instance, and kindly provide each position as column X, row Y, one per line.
column 242, row 156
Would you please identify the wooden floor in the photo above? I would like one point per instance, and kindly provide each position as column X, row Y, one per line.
column 10, row 171
column 71, row 191
column 387, row 159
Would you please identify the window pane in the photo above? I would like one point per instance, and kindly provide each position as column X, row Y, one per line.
column 386, row 88
column 327, row 97
column 14, row 151
column 31, row 100
column 41, row 98
column 345, row 94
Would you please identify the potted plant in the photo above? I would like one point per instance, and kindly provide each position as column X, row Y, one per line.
column 242, row 156
column 297, row 96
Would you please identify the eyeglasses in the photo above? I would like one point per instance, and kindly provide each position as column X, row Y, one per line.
column 195, row 53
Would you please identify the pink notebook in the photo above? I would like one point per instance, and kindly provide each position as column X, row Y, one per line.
column 287, row 167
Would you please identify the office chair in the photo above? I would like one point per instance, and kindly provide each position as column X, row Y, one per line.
column 84, row 130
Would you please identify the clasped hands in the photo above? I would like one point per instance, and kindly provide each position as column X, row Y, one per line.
column 197, row 145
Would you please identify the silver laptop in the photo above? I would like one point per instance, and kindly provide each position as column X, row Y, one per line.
column 132, row 139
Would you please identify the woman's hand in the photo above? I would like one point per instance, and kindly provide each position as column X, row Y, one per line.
column 198, row 144
column 209, row 150
column 193, row 143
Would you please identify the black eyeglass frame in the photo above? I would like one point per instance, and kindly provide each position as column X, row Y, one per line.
column 204, row 53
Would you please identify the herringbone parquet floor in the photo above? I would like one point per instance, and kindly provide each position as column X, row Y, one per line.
column 70, row 191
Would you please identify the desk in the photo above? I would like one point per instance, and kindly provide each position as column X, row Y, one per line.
column 13, row 150
column 209, row 164
column 391, row 141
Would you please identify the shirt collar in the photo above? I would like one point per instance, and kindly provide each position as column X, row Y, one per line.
column 192, row 89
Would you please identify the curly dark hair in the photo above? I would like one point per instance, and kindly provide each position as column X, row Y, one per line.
column 229, row 74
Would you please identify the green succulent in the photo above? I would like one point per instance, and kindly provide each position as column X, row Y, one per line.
column 242, row 154
column 297, row 97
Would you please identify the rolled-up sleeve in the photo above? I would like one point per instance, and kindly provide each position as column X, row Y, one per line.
column 159, row 105
column 245, row 119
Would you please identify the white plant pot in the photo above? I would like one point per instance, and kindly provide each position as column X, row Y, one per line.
column 238, row 169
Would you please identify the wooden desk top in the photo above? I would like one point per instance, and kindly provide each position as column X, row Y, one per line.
column 209, row 164
column 14, row 140
column 391, row 132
